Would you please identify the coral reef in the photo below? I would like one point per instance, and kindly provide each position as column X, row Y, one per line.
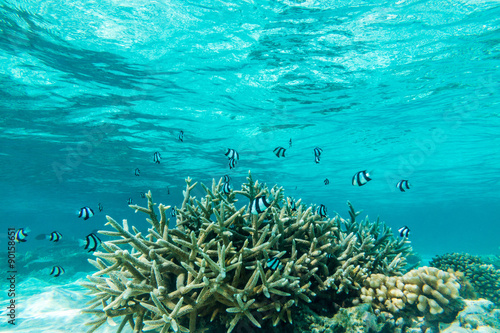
column 215, row 263
column 427, row 289
column 478, row 316
column 481, row 273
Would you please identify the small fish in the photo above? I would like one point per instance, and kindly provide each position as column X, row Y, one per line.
column 86, row 213
column 142, row 194
column 173, row 213
column 21, row 235
column 291, row 204
column 129, row 201
column 181, row 136
column 232, row 154
column 327, row 181
column 157, row 157
column 226, row 179
column 57, row 270
column 168, row 190
column 91, row 242
column 54, row 236
column 232, row 163
column 259, row 205
column 279, row 151
column 316, row 159
column 322, row 210
column 404, row 231
column 100, row 207
column 402, row 184
column 137, row 172
column 361, row 178
column 290, row 143
column 226, row 188
column 273, row 263
column 317, row 151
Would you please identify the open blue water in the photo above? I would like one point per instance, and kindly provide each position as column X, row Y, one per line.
column 89, row 90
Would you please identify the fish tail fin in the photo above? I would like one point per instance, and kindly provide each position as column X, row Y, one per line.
column 81, row 243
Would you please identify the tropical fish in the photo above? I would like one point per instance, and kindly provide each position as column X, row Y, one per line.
column 91, row 242
column 232, row 154
column 54, row 236
column 404, row 231
column 259, row 205
column 142, row 194
column 173, row 213
column 327, row 181
column 361, row 178
column 86, row 212
column 291, row 204
column 137, row 172
column 181, row 136
column 226, row 179
column 21, row 235
column 322, row 210
column 402, row 184
column 168, row 190
column 317, row 151
column 279, row 151
column 226, row 188
column 273, row 263
column 100, row 207
column 57, row 270
column 157, row 157
column 129, row 201
column 232, row 163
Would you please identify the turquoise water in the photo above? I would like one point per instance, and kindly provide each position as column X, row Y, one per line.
column 90, row 90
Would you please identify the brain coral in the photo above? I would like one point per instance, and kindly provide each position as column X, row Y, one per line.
column 224, row 262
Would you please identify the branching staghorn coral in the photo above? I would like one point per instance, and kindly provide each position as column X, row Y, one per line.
column 214, row 264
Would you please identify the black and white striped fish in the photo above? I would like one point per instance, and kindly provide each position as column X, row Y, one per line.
column 86, row 212
column 279, row 151
column 361, row 178
column 55, row 236
column 91, row 242
column 173, row 212
column 232, row 163
column 99, row 206
column 57, row 271
column 404, row 231
column 322, row 210
column 274, row 263
column 181, row 136
column 291, row 204
column 137, row 172
column 226, row 179
column 142, row 194
column 232, row 154
column 327, row 181
column 259, row 205
column 317, row 151
column 226, row 188
column 21, row 235
column 129, row 201
column 403, row 184
column 157, row 157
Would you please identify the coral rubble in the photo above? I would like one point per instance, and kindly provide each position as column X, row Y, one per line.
column 215, row 263
column 482, row 274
